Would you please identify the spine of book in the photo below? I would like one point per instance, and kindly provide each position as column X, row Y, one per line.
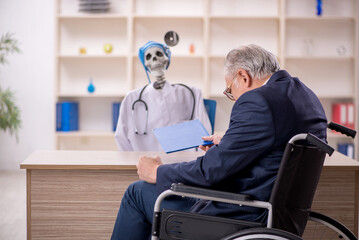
column 74, row 117
column 350, row 115
column 350, row 151
column 342, row 148
column 115, row 114
column 65, row 116
column 346, row 149
column 339, row 113
column 58, row 116
column 69, row 116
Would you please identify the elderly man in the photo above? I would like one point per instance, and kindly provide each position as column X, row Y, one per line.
column 270, row 107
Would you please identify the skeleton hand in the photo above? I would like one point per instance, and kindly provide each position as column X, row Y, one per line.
column 216, row 139
column 147, row 168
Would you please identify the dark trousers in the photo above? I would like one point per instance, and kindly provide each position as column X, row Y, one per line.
column 134, row 218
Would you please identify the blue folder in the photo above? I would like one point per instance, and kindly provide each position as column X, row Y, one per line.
column 67, row 116
column 115, row 113
column 181, row 136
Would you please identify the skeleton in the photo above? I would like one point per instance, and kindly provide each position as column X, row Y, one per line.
column 156, row 61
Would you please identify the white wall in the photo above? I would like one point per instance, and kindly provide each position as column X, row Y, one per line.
column 31, row 75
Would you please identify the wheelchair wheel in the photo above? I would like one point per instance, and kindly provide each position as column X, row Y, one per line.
column 262, row 233
column 320, row 226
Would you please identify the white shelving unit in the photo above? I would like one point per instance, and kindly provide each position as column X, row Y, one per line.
column 321, row 50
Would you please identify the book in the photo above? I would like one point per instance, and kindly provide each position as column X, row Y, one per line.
column 339, row 113
column 67, row 117
column 346, row 149
column 115, row 113
column 58, row 116
column 350, row 115
column 181, row 136
column 343, row 114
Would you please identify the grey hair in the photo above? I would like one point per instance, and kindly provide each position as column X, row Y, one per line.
column 257, row 61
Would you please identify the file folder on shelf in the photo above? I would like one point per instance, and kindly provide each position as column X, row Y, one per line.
column 181, row 136
column 115, row 113
column 67, row 116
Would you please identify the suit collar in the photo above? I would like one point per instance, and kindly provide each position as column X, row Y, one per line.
column 279, row 75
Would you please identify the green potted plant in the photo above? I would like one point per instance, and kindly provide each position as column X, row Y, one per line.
column 9, row 112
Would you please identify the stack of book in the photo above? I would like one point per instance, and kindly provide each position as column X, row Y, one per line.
column 94, row 6
column 67, row 116
column 343, row 114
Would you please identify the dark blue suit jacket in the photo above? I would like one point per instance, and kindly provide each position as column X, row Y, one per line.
column 248, row 156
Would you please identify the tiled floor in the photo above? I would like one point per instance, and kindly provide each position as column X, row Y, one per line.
column 13, row 205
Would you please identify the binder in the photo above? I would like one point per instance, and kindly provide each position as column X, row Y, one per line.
column 344, row 114
column 350, row 115
column 67, row 117
column 181, row 136
column 115, row 113
column 346, row 149
column 58, row 116
column 339, row 113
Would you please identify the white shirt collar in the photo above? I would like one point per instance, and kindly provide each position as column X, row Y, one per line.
column 266, row 81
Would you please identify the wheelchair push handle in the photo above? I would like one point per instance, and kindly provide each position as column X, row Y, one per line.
column 344, row 130
column 313, row 140
column 320, row 144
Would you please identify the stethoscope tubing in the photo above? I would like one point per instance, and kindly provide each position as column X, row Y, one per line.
column 139, row 100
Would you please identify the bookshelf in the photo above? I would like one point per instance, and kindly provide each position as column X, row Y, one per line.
column 320, row 50
column 323, row 52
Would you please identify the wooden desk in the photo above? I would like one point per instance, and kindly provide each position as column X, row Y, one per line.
column 76, row 194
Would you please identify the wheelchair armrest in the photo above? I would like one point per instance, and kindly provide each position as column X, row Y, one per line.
column 213, row 195
column 179, row 187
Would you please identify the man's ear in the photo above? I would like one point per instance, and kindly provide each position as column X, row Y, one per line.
column 246, row 78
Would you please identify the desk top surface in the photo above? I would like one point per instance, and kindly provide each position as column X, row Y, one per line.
column 115, row 160
column 98, row 159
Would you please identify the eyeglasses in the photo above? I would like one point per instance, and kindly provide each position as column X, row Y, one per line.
column 227, row 91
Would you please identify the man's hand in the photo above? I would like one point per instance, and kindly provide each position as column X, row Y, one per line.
column 214, row 138
column 147, row 168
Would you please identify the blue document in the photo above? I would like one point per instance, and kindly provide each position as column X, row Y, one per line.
column 181, row 136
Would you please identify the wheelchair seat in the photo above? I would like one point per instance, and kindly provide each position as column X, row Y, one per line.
column 288, row 207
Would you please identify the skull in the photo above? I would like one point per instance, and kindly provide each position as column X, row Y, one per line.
column 156, row 61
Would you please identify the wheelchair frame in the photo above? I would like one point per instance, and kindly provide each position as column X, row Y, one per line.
column 194, row 192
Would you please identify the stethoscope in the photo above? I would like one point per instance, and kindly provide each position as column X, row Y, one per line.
column 139, row 100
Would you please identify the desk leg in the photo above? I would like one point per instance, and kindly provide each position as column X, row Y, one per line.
column 356, row 192
column 28, row 203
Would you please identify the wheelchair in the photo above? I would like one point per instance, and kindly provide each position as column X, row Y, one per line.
column 288, row 207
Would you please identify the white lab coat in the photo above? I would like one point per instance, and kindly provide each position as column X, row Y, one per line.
column 166, row 106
